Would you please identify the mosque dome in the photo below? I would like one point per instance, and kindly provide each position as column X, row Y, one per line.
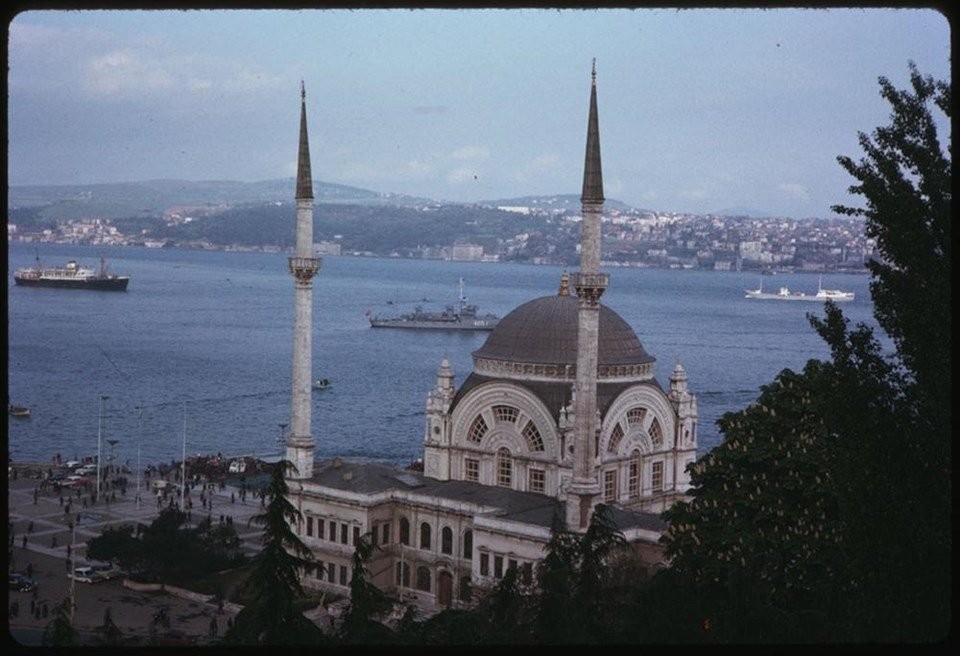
column 544, row 332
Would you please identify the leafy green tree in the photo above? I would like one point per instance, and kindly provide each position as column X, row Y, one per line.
column 825, row 512
column 597, row 547
column 60, row 632
column 898, row 490
column 366, row 601
column 271, row 617
column 559, row 620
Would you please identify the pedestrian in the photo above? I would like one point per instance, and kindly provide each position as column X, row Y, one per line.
column 213, row 627
column 29, row 570
column 53, row 542
column 30, row 527
column 67, row 563
column 231, row 497
column 24, row 541
column 69, row 550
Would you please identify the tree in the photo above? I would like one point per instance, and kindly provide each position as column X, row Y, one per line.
column 558, row 619
column 825, row 512
column 60, row 632
column 366, row 600
column 906, row 182
column 271, row 617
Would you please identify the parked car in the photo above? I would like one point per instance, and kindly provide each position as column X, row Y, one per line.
column 85, row 575
column 21, row 582
column 72, row 464
column 87, row 470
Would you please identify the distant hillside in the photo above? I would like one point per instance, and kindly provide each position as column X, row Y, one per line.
column 153, row 197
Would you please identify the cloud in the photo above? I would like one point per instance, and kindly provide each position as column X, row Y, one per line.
column 471, row 152
column 794, row 190
column 537, row 167
column 125, row 70
column 461, row 175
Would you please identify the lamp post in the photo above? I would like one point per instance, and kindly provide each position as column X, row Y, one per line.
column 183, row 457
column 282, row 433
column 139, row 434
column 103, row 397
column 71, row 519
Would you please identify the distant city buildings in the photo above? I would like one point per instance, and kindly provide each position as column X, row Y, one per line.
column 633, row 238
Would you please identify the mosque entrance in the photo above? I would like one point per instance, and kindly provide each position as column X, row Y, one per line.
column 445, row 588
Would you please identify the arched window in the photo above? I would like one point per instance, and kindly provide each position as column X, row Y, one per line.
column 633, row 475
column 424, row 535
column 423, row 579
column 477, row 430
column 468, row 544
column 656, row 434
column 504, row 467
column 446, row 540
column 404, row 531
column 615, row 436
column 532, row 436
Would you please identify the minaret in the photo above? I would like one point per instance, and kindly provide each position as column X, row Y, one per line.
column 589, row 285
column 304, row 267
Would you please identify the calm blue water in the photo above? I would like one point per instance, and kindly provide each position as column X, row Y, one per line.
column 203, row 342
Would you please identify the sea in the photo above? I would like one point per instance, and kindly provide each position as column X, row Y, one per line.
column 195, row 357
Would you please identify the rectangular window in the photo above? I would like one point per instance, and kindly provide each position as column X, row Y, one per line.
column 471, row 469
column 656, row 476
column 319, row 572
column 320, row 528
column 498, row 566
column 343, row 575
column 538, row 481
column 343, row 533
column 526, row 573
column 386, row 534
column 511, row 563
column 333, row 531
column 484, row 564
column 610, row 485
column 309, row 527
column 331, row 572
column 633, row 480
column 375, row 535
column 356, row 535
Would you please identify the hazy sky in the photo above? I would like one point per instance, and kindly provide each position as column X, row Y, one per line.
column 701, row 110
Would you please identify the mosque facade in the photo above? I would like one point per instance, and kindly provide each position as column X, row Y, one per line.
column 561, row 412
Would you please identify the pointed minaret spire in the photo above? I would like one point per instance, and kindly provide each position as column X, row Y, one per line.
column 303, row 266
column 304, row 179
column 592, row 175
column 589, row 285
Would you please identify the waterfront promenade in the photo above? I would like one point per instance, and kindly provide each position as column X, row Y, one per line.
column 39, row 516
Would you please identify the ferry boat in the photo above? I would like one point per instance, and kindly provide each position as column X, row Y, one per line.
column 464, row 317
column 18, row 410
column 71, row 276
column 784, row 294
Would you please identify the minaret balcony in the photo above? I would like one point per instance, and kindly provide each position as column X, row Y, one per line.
column 590, row 286
column 304, row 268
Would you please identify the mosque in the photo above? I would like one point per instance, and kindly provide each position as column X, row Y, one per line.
column 561, row 412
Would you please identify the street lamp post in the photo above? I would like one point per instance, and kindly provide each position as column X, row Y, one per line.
column 72, row 523
column 139, row 434
column 183, row 471
column 111, row 470
column 103, row 397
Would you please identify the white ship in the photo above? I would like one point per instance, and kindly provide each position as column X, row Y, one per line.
column 784, row 294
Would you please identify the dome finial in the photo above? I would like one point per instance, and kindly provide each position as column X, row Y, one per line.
column 303, row 92
column 593, row 72
column 564, row 284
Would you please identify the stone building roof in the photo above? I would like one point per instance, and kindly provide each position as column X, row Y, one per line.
column 521, row 507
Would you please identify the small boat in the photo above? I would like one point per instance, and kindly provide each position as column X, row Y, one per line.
column 321, row 384
column 18, row 411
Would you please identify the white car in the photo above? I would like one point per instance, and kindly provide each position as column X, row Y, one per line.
column 85, row 575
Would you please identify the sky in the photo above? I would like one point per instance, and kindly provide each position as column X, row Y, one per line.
column 700, row 110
